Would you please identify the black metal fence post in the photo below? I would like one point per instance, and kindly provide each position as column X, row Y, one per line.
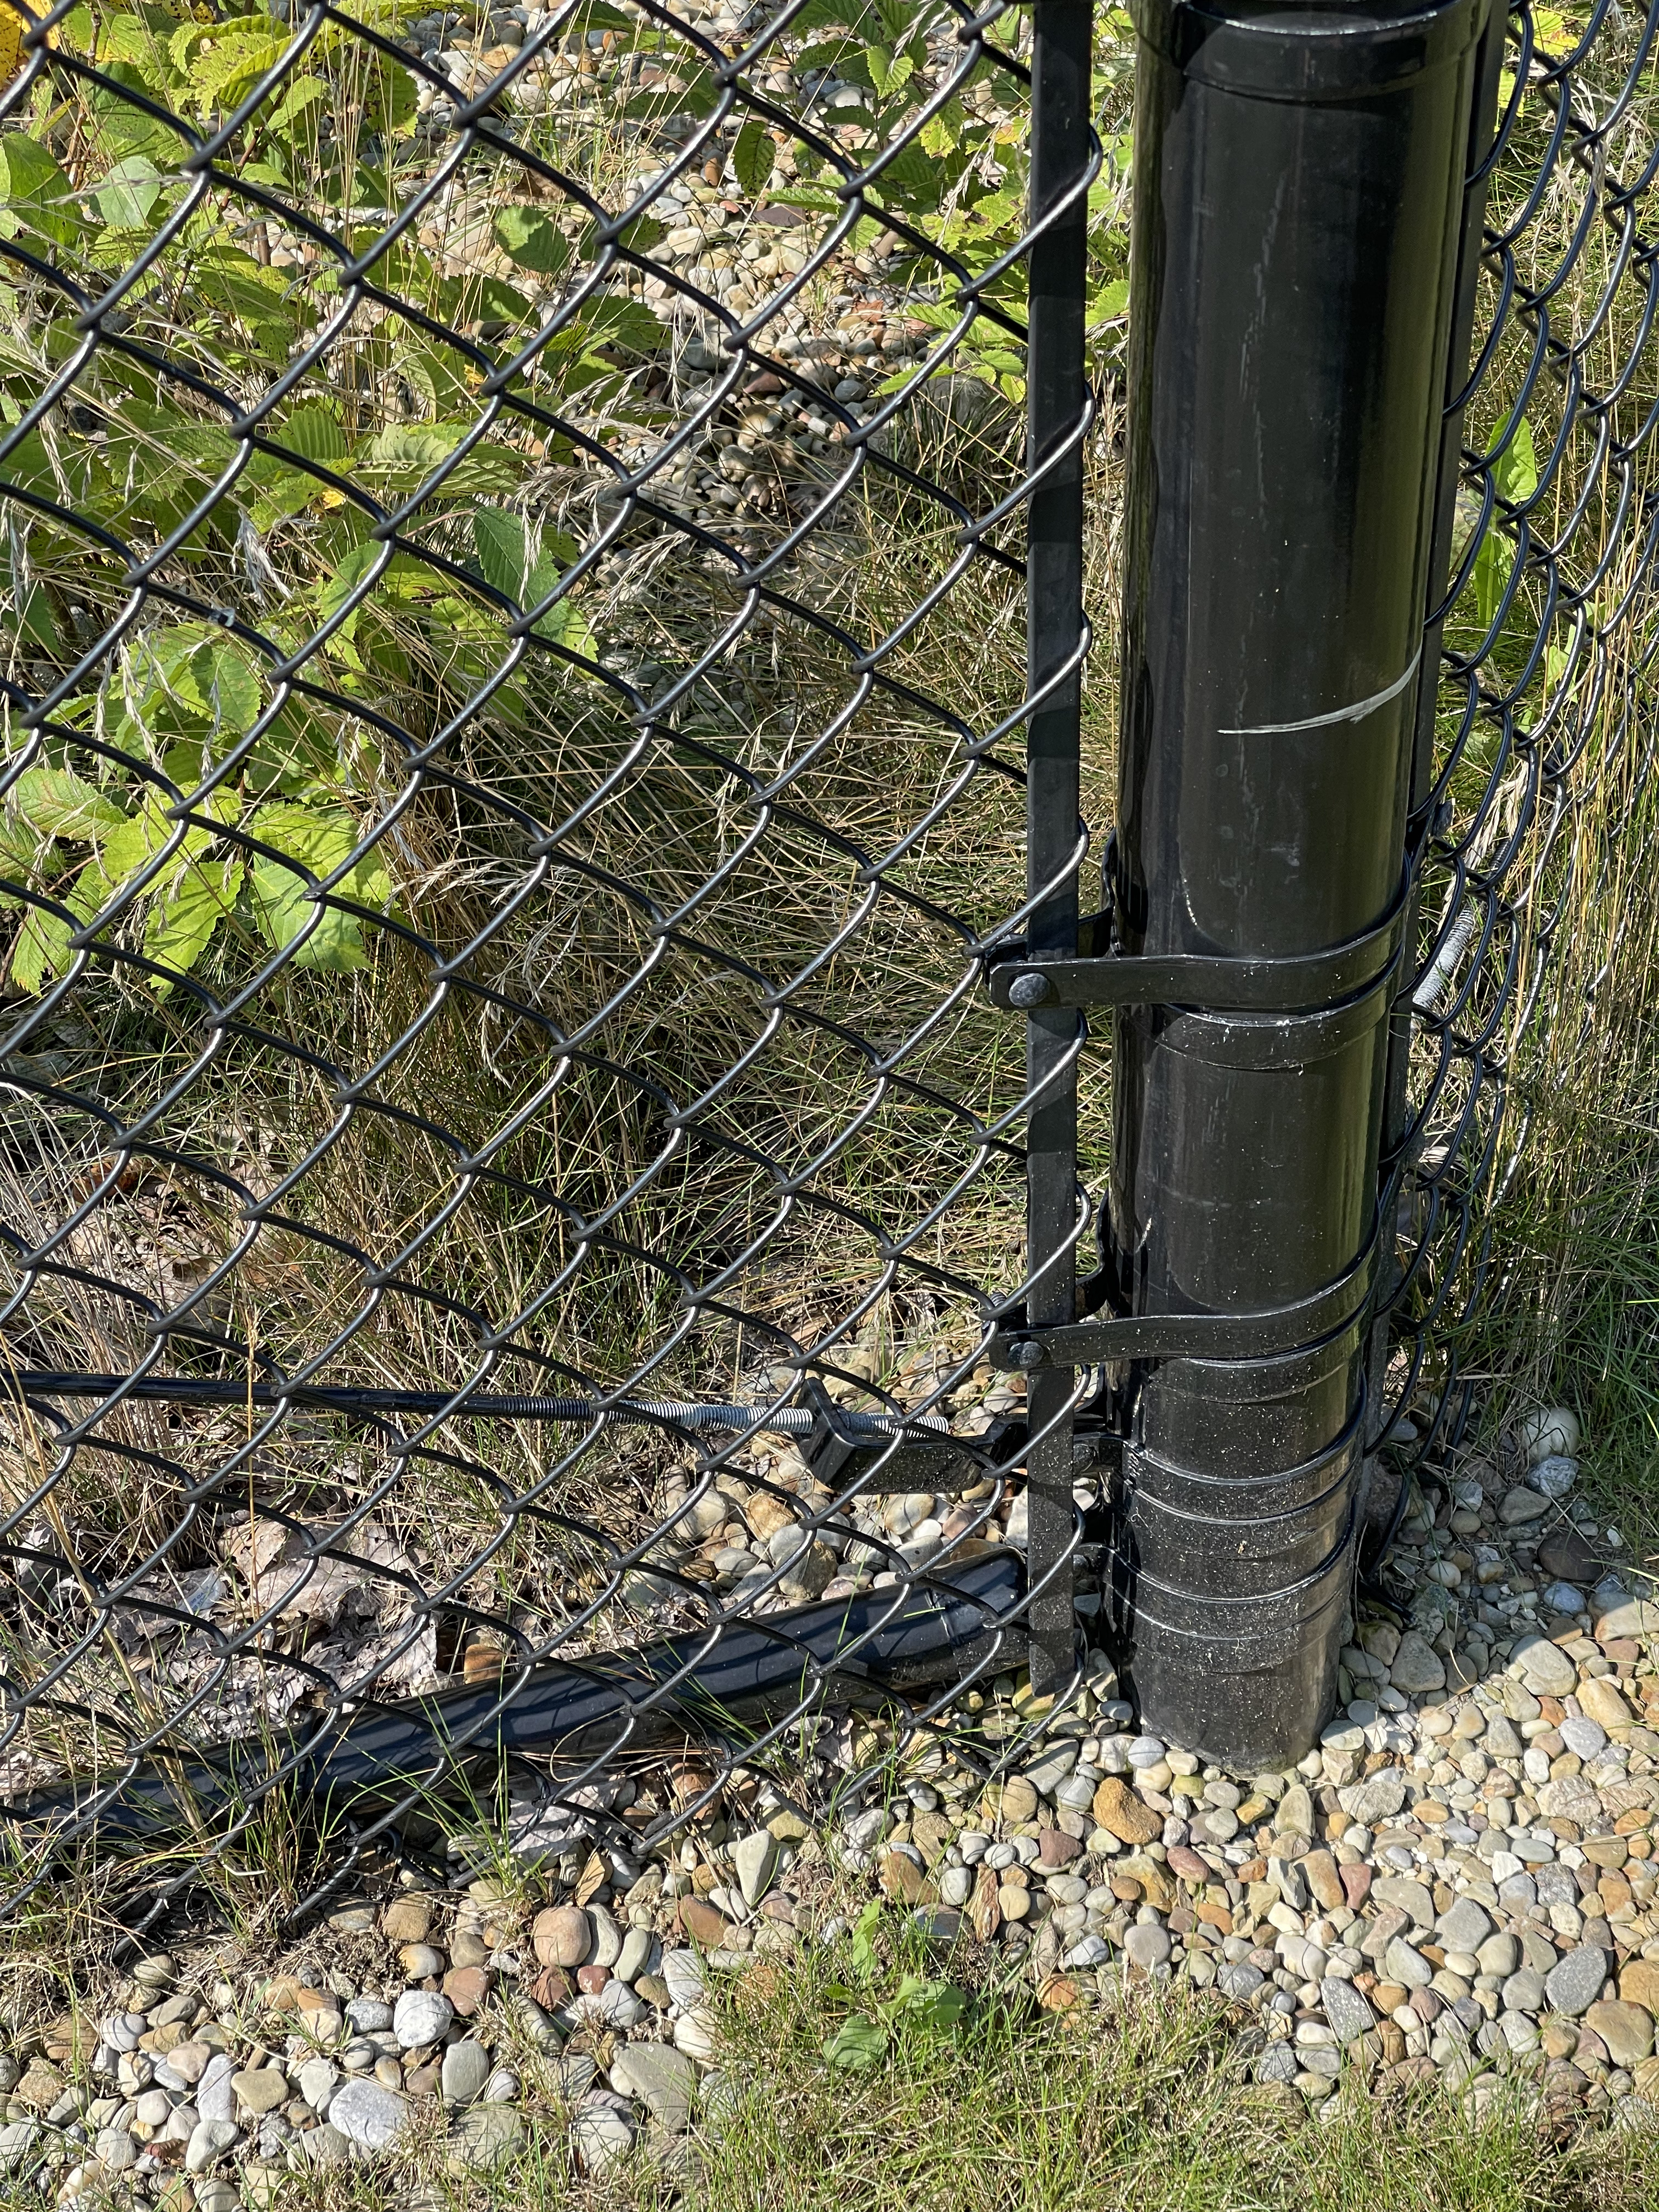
column 1057, row 424
column 1299, row 199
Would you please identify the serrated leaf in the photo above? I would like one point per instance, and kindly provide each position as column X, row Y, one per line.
column 315, row 432
column 318, row 838
column 34, row 193
column 752, row 156
column 60, row 804
column 526, row 236
column 181, row 923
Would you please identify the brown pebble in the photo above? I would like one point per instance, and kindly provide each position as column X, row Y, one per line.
column 423, row 2081
column 466, row 1988
column 1184, row 1860
column 407, row 1920
column 702, row 1923
column 1056, row 1849
column 1121, row 1813
column 551, row 1988
column 1356, row 1884
column 590, row 1980
column 562, row 1935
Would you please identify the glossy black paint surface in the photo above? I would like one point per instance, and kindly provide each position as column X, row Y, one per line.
column 1298, row 198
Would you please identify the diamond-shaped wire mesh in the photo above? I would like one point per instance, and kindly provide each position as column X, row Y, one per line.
column 514, row 706
column 513, row 734
column 1551, row 630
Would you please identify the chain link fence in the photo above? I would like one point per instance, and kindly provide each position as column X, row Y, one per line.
column 514, row 722
column 1541, row 731
column 513, row 760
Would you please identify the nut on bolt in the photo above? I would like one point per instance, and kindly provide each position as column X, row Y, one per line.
column 1028, row 990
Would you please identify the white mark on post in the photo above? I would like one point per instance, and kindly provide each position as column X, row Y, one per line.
column 1355, row 713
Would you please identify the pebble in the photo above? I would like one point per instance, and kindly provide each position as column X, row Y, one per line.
column 562, row 1937
column 466, row 2068
column 485, row 2137
column 368, row 2115
column 663, row 2080
column 1146, row 1945
column 1573, row 1986
column 419, row 2016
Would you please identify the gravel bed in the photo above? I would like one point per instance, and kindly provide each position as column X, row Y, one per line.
column 1458, row 1883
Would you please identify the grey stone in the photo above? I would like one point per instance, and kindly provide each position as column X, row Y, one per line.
column 1463, row 1926
column 754, row 1859
column 419, row 2016
column 368, row 2015
column 1553, row 1477
column 1379, row 1797
column 485, row 2137
column 1408, row 1965
column 607, row 1939
column 317, row 2078
column 1585, row 1737
column 1278, row 2063
column 501, row 2087
column 218, row 2196
column 466, row 2069
column 600, row 2136
column 1417, row 1667
column 1634, row 1616
column 215, row 2098
column 19, row 2141
column 1524, row 1990
column 325, row 2146
column 682, row 1971
column 639, row 1947
column 1519, row 1505
column 1239, row 1980
column 662, row 2078
column 368, row 2115
column 1046, row 1774
column 209, row 2141
column 1574, row 1985
column 1345, row 2008
column 115, row 2149
column 1412, row 1897
column 1543, row 1667
column 1500, row 1740
column 1146, row 1945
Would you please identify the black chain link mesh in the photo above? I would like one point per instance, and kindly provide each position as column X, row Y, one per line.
column 513, row 737
column 513, row 732
column 1544, row 716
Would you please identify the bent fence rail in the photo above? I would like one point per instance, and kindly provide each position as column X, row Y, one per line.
column 547, row 747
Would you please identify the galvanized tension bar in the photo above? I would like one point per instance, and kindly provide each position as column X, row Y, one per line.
column 1056, row 425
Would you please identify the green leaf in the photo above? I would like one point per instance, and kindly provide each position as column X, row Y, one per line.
column 60, row 804
column 315, row 432
column 129, row 192
column 42, row 949
column 858, row 2044
column 34, row 193
column 527, row 236
column 752, row 156
column 865, row 1960
column 1515, row 479
column 180, row 925
column 318, row 837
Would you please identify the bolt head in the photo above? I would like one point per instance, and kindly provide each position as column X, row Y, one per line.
column 1026, row 1354
column 1028, row 990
